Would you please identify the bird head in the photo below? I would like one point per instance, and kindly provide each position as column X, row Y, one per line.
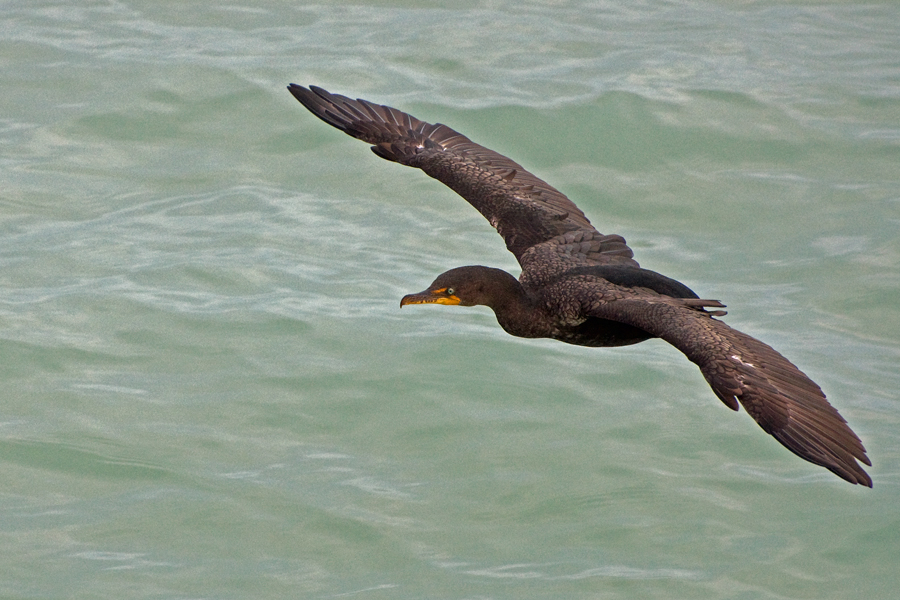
column 463, row 286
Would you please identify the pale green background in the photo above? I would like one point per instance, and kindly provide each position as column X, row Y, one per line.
column 209, row 390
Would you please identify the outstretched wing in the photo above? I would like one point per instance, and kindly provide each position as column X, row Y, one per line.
column 524, row 209
column 740, row 369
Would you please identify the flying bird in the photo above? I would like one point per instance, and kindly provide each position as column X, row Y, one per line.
column 582, row 287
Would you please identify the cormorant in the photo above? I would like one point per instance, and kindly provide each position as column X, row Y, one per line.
column 582, row 287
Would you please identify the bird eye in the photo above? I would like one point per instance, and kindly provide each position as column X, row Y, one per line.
column 450, row 291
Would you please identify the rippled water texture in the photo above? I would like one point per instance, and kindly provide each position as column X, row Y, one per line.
column 210, row 389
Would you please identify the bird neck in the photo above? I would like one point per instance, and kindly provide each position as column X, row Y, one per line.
column 516, row 312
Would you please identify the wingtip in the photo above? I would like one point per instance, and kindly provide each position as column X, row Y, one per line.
column 857, row 477
column 298, row 92
column 852, row 473
column 863, row 477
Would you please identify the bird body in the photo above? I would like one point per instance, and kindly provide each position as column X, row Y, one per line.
column 582, row 287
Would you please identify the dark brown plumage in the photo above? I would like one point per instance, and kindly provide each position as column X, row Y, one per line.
column 582, row 287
